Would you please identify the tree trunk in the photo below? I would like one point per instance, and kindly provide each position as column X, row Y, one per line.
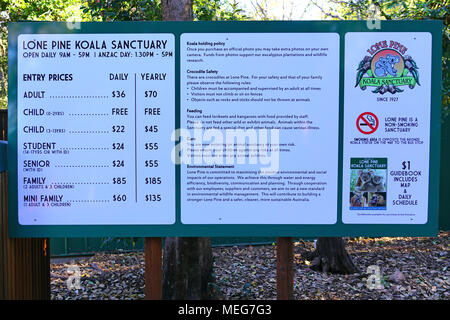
column 331, row 256
column 176, row 10
column 187, row 262
column 188, row 268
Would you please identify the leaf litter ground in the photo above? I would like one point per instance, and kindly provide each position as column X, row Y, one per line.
column 410, row 269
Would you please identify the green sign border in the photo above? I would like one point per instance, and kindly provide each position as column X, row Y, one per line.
column 179, row 229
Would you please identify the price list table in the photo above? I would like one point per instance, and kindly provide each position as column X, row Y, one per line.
column 95, row 113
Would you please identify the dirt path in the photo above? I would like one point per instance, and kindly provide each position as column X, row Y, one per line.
column 410, row 268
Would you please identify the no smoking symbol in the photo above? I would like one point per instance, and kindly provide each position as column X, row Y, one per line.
column 367, row 123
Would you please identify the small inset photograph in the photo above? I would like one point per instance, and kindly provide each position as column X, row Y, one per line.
column 358, row 200
column 368, row 187
column 377, row 200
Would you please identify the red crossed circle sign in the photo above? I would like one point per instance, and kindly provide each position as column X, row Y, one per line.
column 367, row 123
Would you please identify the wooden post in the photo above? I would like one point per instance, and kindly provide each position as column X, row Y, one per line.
column 153, row 268
column 285, row 268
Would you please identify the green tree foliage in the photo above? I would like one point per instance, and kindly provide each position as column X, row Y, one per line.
column 150, row 10
column 401, row 10
column 41, row 10
column 209, row 10
column 117, row 10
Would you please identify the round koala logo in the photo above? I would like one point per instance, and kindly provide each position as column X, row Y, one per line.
column 386, row 64
column 387, row 70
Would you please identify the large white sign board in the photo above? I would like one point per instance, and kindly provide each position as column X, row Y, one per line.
column 387, row 136
column 273, row 101
column 94, row 116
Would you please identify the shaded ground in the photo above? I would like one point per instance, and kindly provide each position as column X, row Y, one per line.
column 411, row 268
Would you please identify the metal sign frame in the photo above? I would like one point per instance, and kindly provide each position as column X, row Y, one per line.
column 178, row 229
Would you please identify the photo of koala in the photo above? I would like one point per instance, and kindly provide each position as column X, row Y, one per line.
column 377, row 182
column 377, row 200
column 364, row 180
column 369, row 181
column 386, row 66
column 381, row 201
